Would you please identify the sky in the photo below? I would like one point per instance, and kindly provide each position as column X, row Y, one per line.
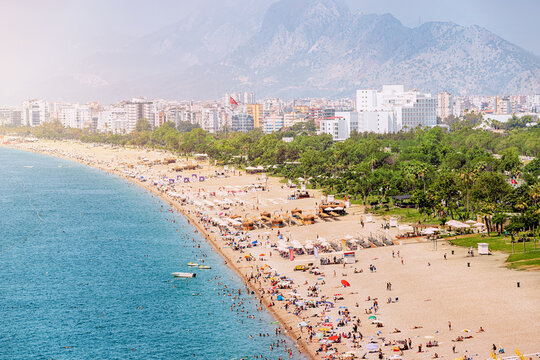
column 41, row 39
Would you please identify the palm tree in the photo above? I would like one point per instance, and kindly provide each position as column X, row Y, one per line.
column 535, row 193
column 486, row 210
column 499, row 219
column 468, row 176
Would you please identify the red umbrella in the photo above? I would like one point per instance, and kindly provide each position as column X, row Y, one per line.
column 333, row 338
column 345, row 283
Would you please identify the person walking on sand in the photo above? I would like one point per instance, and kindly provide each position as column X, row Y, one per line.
column 449, row 326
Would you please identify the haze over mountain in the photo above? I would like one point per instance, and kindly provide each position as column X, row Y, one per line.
column 303, row 48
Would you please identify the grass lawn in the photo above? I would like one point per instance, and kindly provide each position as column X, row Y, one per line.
column 518, row 259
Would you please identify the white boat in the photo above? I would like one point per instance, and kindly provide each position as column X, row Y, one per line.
column 183, row 275
column 204, row 267
column 192, row 264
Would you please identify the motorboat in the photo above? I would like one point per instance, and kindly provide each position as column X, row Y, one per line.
column 192, row 264
column 204, row 267
column 183, row 275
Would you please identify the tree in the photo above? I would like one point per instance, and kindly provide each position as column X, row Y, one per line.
column 490, row 187
column 143, row 125
column 446, row 187
column 510, row 161
column 186, row 126
column 468, row 176
column 499, row 219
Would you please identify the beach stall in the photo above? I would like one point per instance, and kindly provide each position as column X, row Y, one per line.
column 277, row 222
column 247, row 225
column 349, row 257
column 369, row 218
column 393, row 222
column 309, row 219
column 483, row 249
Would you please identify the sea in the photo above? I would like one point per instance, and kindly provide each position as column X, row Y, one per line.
column 85, row 273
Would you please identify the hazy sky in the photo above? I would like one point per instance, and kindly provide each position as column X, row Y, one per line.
column 40, row 39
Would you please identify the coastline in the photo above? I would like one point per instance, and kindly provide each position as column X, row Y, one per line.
column 286, row 325
column 429, row 296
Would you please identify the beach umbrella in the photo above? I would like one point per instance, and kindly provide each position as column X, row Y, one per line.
column 342, row 307
column 324, row 329
column 262, row 254
column 428, row 337
column 303, row 324
column 319, row 335
column 372, row 317
column 345, row 283
column 372, row 346
column 333, row 338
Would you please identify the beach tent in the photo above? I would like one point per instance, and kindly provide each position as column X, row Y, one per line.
column 406, row 228
column 296, row 244
column 280, row 298
column 429, row 231
column 457, row 224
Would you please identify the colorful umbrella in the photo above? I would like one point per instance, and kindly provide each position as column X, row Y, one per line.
column 345, row 283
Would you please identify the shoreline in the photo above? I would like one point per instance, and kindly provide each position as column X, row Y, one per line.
column 471, row 292
column 299, row 342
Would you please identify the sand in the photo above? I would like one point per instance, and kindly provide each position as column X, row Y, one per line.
column 468, row 292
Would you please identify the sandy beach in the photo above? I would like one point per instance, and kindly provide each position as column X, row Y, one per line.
column 406, row 299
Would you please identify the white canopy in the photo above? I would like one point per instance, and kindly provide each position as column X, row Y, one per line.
column 429, row 231
column 457, row 224
column 406, row 228
column 296, row 244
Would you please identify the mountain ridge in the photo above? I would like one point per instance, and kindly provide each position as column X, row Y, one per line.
column 320, row 48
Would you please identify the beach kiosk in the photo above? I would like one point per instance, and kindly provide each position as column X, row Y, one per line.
column 349, row 257
column 393, row 222
column 369, row 218
column 483, row 249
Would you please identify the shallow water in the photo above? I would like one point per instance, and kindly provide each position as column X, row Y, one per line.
column 85, row 263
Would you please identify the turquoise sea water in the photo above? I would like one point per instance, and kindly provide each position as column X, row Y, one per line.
column 85, row 263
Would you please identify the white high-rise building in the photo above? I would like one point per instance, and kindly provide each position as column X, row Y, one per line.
column 210, row 119
column 411, row 108
column 114, row 119
column 272, row 122
column 445, row 105
column 75, row 116
column 340, row 126
column 35, row 112
column 139, row 108
column 380, row 122
column 10, row 116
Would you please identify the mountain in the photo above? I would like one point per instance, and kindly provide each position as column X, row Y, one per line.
column 316, row 48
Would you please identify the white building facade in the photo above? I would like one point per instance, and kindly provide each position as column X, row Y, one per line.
column 35, row 112
column 411, row 108
column 445, row 105
column 139, row 108
column 340, row 126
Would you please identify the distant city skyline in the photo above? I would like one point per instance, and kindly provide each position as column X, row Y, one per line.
column 47, row 40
